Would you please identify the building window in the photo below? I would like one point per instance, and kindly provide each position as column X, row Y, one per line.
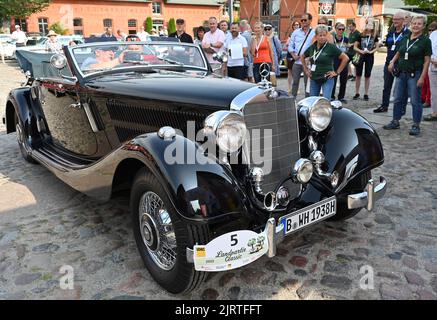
column 132, row 26
column 364, row 7
column 156, row 8
column 327, row 7
column 78, row 26
column 43, row 25
column 22, row 23
column 132, row 23
column 107, row 23
column 158, row 24
column 270, row 7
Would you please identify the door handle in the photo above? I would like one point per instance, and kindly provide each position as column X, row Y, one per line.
column 76, row 105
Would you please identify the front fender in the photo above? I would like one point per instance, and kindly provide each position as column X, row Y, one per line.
column 201, row 188
column 351, row 147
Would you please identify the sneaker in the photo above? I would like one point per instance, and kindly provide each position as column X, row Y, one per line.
column 415, row 130
column 394, row 124
column 380, row 109
column 343, row 101
column 366, row 97
column 356, row 96
column 353, row 78
column 430, row 117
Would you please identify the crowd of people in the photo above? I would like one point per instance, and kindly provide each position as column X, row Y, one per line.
column 323, row 57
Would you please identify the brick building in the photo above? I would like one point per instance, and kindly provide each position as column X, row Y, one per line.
column 280, row 13
column 92, row 16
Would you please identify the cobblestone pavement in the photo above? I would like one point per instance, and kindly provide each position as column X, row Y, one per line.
column 44, row 224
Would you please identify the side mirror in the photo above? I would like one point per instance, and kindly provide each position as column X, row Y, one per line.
column 220, row 57
column 58, row 61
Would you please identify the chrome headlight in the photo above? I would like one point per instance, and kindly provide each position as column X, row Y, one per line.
column 317, row 112
column 228, row 130
column 58, row 61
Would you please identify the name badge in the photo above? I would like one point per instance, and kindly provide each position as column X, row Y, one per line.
column 313, row 67
column 406, row 56
column 393, row 47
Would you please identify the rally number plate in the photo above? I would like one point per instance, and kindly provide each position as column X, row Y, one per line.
column 230, row 251
column 309, row 215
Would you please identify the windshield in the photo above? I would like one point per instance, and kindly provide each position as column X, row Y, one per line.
column 100, row 57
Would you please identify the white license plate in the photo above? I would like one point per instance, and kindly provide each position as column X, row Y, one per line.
column 309, row 215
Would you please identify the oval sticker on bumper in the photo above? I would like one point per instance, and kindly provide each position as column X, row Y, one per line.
column 230, row 251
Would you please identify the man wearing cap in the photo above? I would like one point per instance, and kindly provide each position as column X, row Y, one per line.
column 19, row 36
column 104, row 59
column 52, row 45
column 213, row 40
column 180, row 32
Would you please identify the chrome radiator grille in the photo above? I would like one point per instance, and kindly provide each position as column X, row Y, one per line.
column 275, row 120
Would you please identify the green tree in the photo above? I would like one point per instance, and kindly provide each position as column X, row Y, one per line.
column 149, row 25
column 423, row 4
column 59, row 28
column 171, row 26
column 21, row 8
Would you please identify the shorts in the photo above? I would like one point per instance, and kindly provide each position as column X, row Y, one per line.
column 368, row 60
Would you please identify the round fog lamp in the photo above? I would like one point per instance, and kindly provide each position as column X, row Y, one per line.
column 303, row 170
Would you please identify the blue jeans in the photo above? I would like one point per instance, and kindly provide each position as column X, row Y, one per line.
column 326, row 86
column 406, row 86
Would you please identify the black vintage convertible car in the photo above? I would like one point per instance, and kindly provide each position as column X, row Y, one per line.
column 219, row 170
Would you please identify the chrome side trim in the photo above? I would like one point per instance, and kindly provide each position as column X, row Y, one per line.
column 90, row 117
column 369, row 196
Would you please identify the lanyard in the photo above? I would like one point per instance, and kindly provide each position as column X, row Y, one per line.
column 342, row 41
column 317, row 54
column 396, row 39
column 367, row 42
column 409, row 46
column 259, row 45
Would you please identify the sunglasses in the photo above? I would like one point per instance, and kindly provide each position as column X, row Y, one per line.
column 340, row 29
column 304, row 20
column 267, row 29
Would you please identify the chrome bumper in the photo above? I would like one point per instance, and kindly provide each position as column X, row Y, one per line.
column 275, row 233
column 367, row 198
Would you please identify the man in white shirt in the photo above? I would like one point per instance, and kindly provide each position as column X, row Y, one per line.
column 213, row 40
column 300, row 40
column 19, row 36
column 236, row 49
column 143, row 35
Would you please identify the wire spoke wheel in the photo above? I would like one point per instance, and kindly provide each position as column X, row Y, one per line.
column 157, row 231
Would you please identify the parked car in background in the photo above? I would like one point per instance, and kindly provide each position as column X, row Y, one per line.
column 41, row 42
column 7, row 46
column 33, row 38
column 219, row 171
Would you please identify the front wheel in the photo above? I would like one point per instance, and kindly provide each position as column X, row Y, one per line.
column 162, row 236
column 356, row 185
